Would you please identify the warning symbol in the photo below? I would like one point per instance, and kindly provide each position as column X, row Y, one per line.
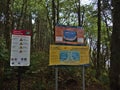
column 21, row 39
column 21, row 43
column 20, row 51
column 21, row 47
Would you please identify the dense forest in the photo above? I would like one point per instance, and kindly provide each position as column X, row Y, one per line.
column 101, row 22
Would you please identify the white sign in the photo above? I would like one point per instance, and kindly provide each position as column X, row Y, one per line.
column 20, row 48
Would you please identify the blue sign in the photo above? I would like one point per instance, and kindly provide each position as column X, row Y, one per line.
column 70, row 35
column 66, row 55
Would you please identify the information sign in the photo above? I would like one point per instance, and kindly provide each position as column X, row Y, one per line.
column 68, row 55
column 20, row 48
column 69, row 35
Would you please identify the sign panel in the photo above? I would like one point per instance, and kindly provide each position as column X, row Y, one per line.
column 68, row 55
column 69, row 35
column 20, row 48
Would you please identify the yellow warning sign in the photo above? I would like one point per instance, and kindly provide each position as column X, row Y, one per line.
column 68, row 55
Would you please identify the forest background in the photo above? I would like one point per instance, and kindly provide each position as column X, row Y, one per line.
column 41, row 16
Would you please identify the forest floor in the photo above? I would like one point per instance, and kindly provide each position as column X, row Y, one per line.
column 31, row 85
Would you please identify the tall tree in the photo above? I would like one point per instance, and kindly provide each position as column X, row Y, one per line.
column 22, row 15
column 98, row 40
column 79, row 13
column 53, row 13
column 7, row 22
column 115, row 48
column 53, row 16
column 57, row 6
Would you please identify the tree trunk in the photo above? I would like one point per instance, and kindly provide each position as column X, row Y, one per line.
column 22, row 13
column 7, row 24
column 79, row 14
column 98, row 40
column 57, row 11
column 1, row 74
column 82, row 17
column 53, row 18
column 115, row 48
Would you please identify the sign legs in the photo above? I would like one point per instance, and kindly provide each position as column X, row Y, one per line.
column 56, row 78
column 83, row 76
column 19, row 78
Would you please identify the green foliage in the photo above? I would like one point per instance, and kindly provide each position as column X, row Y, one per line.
column 38, row 60
column 3, row 59
column 104, row 78
column 41, row 18
column 40, row 70
column 3, row 50
column 103, row 81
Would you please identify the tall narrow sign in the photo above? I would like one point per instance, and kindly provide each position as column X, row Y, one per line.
column 20, row 48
